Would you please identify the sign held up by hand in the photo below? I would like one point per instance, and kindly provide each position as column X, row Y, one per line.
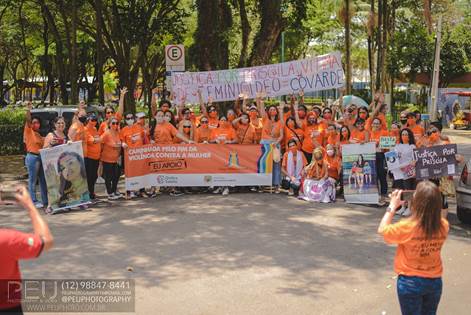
column 436, row 161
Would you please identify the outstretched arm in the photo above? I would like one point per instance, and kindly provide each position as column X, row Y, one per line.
column 122, row 95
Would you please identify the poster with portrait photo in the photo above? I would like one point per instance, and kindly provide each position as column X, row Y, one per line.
column 65, row 174
column 359, row 173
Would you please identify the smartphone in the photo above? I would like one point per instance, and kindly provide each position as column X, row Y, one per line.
column 407, row 194
column 8, row 195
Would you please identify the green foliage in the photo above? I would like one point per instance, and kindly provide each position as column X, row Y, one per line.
column 11, row 141
column 12, row 116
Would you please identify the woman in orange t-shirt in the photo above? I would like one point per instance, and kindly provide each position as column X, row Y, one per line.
column 34, row 142
column 203, row 133
column 110, row 153
column 165, row 132
column 224, row 134
column 359, row 133
column 92, row 160
column 293, row 131
column 256, row 123
column 313, row 135
column 244, row 130
column 375, row 135
column 420, row 239
column 272, row 134
column 331, row 136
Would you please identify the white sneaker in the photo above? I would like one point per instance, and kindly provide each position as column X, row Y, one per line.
column 112, row 197
column 406, row 212
column 217, row 190
column 39, row 204
column 290, row 192
column 225, row 191
column 118, row 195
column 400, row 211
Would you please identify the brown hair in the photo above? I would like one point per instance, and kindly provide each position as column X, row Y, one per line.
column 426, row 208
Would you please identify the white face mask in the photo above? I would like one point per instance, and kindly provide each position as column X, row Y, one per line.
column 129, row 122
column 330, row 152
column 167, row 118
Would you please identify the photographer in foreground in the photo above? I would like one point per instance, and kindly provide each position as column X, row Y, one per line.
column 16, row 245
column 420, row 239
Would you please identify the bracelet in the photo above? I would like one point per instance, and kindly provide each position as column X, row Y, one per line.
column 390, row 210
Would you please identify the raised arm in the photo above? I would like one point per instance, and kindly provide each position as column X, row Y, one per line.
column 153, row 101
column 40, row 227
column 296, row 115
column 122, row 95
column 260, row 105
column 281, row 114
column 29, row 106
column 203, row 109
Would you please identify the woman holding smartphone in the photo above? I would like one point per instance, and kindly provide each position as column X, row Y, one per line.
column 419, row 240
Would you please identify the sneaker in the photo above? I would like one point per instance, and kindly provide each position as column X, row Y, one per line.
column 225, row 191
column 400, row 211
column 290, row 192
column 176, row 193
column 48, row 210
column 38, row 204
column 118, row 195
column 112, row 197
column 406, row 212
column 217, row 190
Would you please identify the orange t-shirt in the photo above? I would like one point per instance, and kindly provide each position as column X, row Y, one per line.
column 332, row 139
column 213, row 123
column 284, row 162
column 381, row 117
column 223, row 134
column 111, row 147
column 80, row 135
column 333, row 166
column 164, row 133
column 202, row 134
column 418, row 131
column 104, row 124
column 93, row 149
column 258, row 126
column 133, row 135
column 296, row 134
column 245, row 134
column 316, row 172
column 416, row 256
column 271, row 129
column 313, row 131
column 375, row 135
column 358, row 135
column 33, row 140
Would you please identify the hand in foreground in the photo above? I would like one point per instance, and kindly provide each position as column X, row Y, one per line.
column 395, row 199
column 22, row 196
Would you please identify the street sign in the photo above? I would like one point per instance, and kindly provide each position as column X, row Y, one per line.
column 175, row 58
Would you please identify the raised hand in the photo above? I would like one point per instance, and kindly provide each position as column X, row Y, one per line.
column 123, row 91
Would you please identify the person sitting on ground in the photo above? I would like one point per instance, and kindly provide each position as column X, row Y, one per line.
column 316, row 185
column 292, row 166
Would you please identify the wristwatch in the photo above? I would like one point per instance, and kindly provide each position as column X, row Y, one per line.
column 389, row 209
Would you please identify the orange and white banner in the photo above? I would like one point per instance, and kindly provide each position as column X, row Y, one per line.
column 198, row 165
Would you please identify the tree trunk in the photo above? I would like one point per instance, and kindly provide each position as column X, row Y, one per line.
column 271, row 25
column 74, row 89
column 245, row 29
column 371, row 26
column 212, row 47
column 379, row 63
column 348, row 61
column 99, row 51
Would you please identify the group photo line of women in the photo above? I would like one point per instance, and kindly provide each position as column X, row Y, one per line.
column 307, row 142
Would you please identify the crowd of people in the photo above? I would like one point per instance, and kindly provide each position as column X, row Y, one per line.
column 307, row 142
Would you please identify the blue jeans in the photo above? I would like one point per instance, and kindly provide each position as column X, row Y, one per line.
column 35, row 171
column 419, row 296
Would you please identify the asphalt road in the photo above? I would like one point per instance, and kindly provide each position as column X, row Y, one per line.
column 242, row 254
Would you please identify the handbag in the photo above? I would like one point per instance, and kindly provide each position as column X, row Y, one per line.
column 447, row 186
column 276, row 154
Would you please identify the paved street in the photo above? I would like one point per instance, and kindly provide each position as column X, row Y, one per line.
column 243, row 254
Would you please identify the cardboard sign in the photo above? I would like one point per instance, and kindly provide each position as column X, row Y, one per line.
column 387, row 142
column 359, row 173
column 436, row 161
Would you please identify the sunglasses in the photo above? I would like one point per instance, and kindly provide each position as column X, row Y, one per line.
column 212, row 110
column 95, row 120
column 187, row 127
column 204, row 121
column 129, row 117
column 429, row 132
column 110, row 112
column 114, row 123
